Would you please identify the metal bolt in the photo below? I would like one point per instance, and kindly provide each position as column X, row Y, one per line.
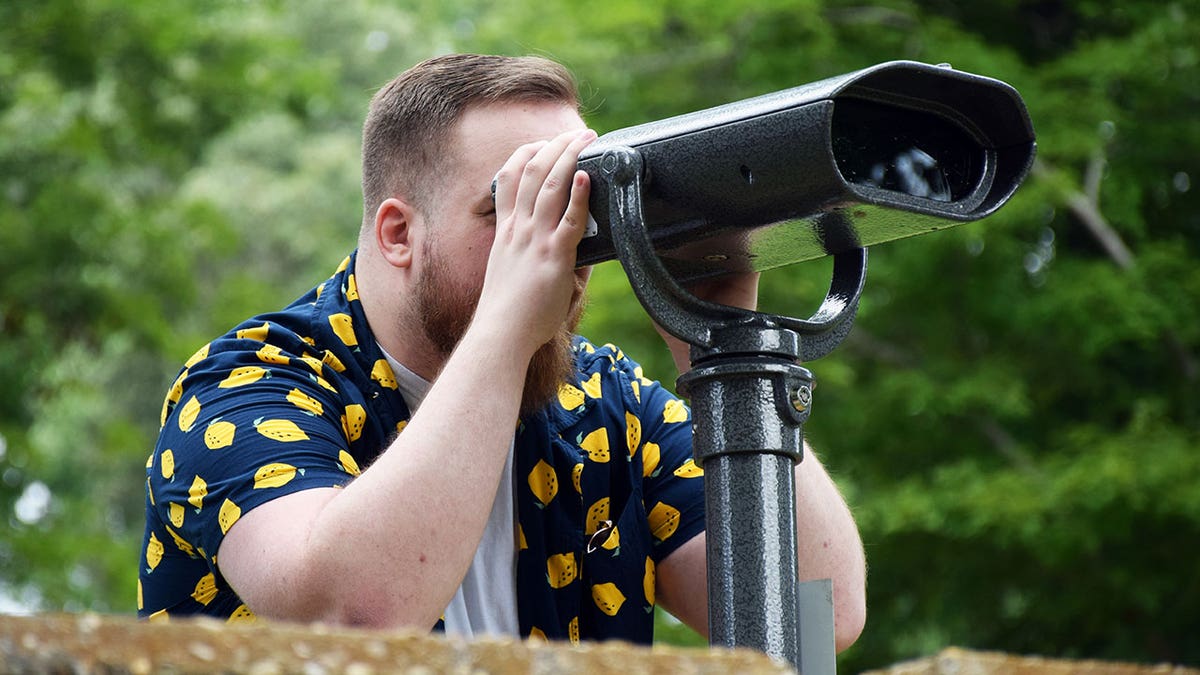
column 608, row 164
column 802, row 397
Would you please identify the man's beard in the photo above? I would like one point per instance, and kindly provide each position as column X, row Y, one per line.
column 445, row 314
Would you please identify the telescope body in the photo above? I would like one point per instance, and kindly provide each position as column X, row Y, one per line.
column 887, row 152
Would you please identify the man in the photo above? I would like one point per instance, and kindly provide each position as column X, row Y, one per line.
column 420, row 440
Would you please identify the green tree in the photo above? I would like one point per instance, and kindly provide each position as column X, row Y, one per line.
column 1013, row 417
column 148, row 153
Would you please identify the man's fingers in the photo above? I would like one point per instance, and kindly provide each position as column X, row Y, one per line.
column 573, row 224
column 558, row 187
column 545, row 179
column 509, row 177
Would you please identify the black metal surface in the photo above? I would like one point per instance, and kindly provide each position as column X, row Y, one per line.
column 783, row 178
column 750, row 399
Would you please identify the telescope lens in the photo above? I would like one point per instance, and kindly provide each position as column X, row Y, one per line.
column 903, row 150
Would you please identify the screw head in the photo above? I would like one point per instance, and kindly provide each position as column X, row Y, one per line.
column 802, row 397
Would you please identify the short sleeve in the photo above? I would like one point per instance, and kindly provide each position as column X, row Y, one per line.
column 244, row 432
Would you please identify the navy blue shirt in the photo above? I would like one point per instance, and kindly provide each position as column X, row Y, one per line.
column 302, row 398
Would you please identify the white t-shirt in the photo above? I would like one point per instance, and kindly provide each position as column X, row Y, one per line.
column 486, row 601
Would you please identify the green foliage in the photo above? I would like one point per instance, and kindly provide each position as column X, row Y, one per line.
column 1014, row 417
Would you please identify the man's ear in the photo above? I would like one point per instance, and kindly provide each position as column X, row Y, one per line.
column 394, row 221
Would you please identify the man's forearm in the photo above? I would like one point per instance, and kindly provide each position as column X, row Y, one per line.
column 392, row 546
column 830, row 546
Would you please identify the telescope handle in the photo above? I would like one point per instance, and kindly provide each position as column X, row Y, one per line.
column 711, row 328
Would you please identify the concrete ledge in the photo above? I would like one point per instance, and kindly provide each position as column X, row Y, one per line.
column 954, row 661
column 92, row 643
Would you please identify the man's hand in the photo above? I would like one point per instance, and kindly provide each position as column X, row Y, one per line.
column 541, row 215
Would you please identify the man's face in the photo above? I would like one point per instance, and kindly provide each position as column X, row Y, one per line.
column 461, row 227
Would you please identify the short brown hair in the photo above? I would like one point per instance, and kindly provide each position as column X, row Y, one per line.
column 411, row 117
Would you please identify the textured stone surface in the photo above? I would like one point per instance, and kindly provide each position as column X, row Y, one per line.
column 962, row 662
column 91, row 643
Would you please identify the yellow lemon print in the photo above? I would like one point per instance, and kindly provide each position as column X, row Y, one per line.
column 181, row 543
column 351, row 291
column 597, row 514
column 648, row 581
column 141, row 603
column 199, row 356
column 154, row 552
column 689, row 469
column 160, row 616
column 313, row 363
column 633, row 432
column 650, row 457
column 401, row 425
column 241, row 615
column 674, row 411
column 228, row 515
column 569, row 397
column 596, row 445
column 273, row 475
column 573, row 630
column 353, row 421
column 382, row 373
column 342, row 267
column 663, row 520
column 284, row 431
column 197, row 492
column 305, row 402
column 149, row 491
column 150, row 460
column 206, row 589
column 244, row 375
column 332, row 361
column 188, row 415
column 272, row 354
column 592, row 386
column 536, row 633
column 613, row 542
column 167, row 464
column 257, row 333
column 348, row 464
column 343, row 327
column 173, row 396
column 521, row 543
column 608, row 598
column 175, row 513
column 561, row 569
column 543, row 482
column 321, row 381
column 576, row 476
column 219, row 434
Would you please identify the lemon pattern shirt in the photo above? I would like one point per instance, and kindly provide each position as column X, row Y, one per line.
column 302, row 398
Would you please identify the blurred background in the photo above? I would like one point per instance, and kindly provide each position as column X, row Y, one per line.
column 1015, row 417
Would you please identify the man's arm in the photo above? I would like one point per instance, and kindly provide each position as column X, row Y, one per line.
column 828, row 540
column 392, row 546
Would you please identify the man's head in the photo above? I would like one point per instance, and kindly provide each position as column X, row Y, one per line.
column 411, row 118
column 434, row 138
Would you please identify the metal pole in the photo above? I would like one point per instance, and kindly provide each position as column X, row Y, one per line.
column 748, row 437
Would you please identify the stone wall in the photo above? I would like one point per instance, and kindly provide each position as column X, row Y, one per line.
column 91, row 643
column 962, row 662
